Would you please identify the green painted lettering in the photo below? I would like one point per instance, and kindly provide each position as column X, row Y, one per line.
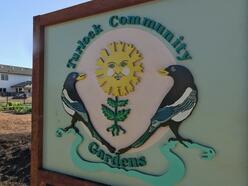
column 81, row 44
column 97, row 28
column 123, row 20
column 134, row 20
column 160, row 28
column 142, row 161
column 100, row 154
column 86, row 40
column 132, row 162
column 79, row 50
column 149, row 23
column 112, row 21
column 185, row 56
column 177, row 42
column 116, row 160
column 108, row 158
column 182, row 46
column 93, row 147
column 124, row 162
column 75, row 56
column 91, row 35
column 70, row 64
column 168, row 35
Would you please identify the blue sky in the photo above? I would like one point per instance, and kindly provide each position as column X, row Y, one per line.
column 16, row 31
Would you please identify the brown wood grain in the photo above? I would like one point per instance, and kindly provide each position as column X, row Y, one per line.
column 86, row 9
column 53, row 178
column 38, row 175
column 37, row 102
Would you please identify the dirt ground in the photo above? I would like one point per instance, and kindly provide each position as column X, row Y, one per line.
column 11, row 123
column 15, row 149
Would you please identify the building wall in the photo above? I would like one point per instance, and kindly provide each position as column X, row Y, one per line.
column 12, row 80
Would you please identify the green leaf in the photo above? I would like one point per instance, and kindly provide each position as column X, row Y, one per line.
column 111, row 102
column 122, row 103
column 108, row 113
column 122, row 114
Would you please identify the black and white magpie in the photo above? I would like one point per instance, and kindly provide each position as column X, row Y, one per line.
column 176, row 106
column 75, row 107
column 71, row 100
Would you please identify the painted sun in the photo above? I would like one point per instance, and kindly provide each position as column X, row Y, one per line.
column 119, row 68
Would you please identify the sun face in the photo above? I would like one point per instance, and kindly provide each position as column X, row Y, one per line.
column 119, row 68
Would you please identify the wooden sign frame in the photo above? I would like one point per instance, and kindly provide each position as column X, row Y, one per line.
column 40, row 176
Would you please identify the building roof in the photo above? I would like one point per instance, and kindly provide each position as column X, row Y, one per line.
column 22, row 85
column 15, row 70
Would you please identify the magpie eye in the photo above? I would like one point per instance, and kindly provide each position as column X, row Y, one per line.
column 173, row 69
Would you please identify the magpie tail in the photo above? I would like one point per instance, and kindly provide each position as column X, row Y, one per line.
column 96, row 135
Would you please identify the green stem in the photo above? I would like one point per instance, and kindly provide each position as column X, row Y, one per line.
column 116, row 109
column 115, row 128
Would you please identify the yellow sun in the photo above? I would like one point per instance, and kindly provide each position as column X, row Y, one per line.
column 119, row 68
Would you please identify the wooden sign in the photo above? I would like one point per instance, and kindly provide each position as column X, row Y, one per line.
column 119, row 96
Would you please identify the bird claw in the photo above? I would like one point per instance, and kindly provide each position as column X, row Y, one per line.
column 66, row 129
column 207, row 153
column 172, row 143
column 61, row 131
column 172, row 139
column 182, row 141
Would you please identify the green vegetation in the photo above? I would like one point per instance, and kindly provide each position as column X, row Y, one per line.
column 16, row 108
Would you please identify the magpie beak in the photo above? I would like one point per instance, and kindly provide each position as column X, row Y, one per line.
column 81, row 77
column 163, row 72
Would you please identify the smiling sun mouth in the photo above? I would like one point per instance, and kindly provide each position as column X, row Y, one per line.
column 118, row 76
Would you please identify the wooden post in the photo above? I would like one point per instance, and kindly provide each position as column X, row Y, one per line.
column 7, row 98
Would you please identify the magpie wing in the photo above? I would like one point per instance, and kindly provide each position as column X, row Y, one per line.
column 165, row 113
column 162, row 114
column 77, row 106
column 187, row 104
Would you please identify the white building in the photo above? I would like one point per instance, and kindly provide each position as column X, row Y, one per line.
column 14, row 79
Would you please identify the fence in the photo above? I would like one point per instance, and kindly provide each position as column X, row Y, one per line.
column 7, row 99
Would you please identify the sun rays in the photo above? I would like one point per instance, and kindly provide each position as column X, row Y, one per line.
column 119, row 68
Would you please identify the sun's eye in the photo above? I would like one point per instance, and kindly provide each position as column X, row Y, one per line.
column 111, row 65
column 123, row 63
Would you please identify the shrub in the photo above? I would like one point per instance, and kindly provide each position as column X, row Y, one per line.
column 23, row 110
column 16, row 107
column 2, row 108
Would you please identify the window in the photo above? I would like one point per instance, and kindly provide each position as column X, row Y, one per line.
column 4, row 77
column 2, row 90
